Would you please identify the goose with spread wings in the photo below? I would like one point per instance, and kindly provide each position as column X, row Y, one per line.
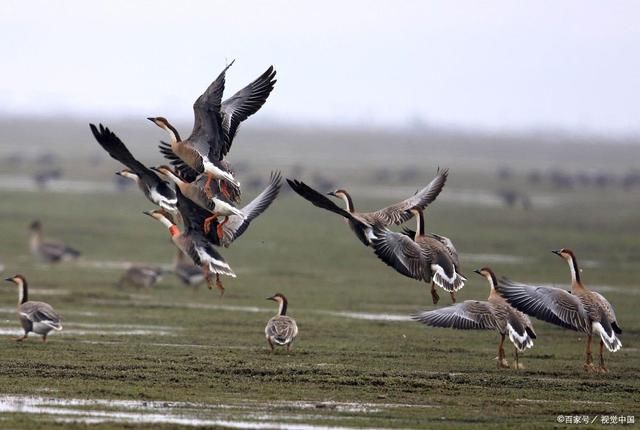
column 215, row 126
column 362, row 223
column 421, row 257
column 493, row 314
column 158, row 192
column 581, row 309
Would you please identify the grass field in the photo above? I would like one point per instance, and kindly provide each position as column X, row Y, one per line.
column 173, row 356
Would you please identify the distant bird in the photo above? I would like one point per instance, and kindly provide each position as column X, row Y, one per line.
column 50, row 251
column 281, row 329
column 494, row 314
column 362, row 223
column 37, row 317
column 140, row 275
column 215, row 126
column 187, row 272
column 425, row 257
column 581, row 309
column 218, row 205
column 158, row 192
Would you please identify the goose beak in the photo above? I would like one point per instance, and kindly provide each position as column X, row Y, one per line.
column 331, row 194
column 119, row 173
column 557, row 252
column 478, row 272
column 153, row 120
column 10, row 280
column 271, row 298
column 148, row 213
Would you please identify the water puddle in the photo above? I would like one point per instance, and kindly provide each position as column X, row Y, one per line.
column 299, row 415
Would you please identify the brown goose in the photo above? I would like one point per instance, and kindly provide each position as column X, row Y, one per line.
column 494, row 314
column 581, row 309
column 362, row 223
column 37, row 317
column 216, row 124
column 218, row 205
column 422, row 257
column 141, row 276
column 50, row 251
column 281, row 329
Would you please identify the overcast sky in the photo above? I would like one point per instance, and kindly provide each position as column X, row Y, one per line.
column 573, row 65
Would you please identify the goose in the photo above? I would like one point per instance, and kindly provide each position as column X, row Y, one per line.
column 218, row 205
column 141, row 275
column 215, row 126
column 50, row 251
column 581, row 310
column 37, row 317
column 493, row 314
column 423, row 257
column 156, row 190
column 281, row 329
column 192, row 240
column 362, row 223
column 187, row 272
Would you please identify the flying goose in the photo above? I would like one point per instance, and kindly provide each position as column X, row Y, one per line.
column 494, row 314
column 218, row 205
column 362, row 223
column 37, row 317
column 216, row 124
column 422, row 257
column 50, row 251
column 281, row 329
column 158, row 192
column 581, row 309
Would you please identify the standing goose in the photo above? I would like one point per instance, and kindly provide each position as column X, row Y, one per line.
column 218, row 205
column 140, row 275
column 216, row 124
column 581, row 309
column 158, row 192
column 281, row 329
column 50, row 251
column 193, row 242
column 187, row 272
column 37, row 317
column 362, row 223
column 494, row 314
column 422, row 257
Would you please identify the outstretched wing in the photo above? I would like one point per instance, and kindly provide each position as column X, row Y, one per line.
column 470, row 314
column 319, row 200
column 399, row 212
column 118, row 151
column 207, row 135
column 400, row 252
column 236, row 225
column 245, row 103
column 185, row 172
column 553, row 305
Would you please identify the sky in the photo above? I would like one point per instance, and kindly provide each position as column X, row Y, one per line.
column 492, row 65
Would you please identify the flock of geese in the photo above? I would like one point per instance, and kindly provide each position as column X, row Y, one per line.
column 197, row 197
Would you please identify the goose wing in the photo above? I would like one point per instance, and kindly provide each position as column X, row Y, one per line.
column 185, row 172
column 282, row 329
column 207, row 135
column 193, row 217
column 245, row 103
column 553, row 305
column 118, row 151
column 399, row 212
column 608, row 311
column 402, row 253
column 470, row 314
column 40, row 312
column 236, row 225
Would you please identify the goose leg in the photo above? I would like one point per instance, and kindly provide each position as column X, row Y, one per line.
column 224, row 188
column 20, row 338
column 588, row 364
column 517, row 365
column 602, row 369
column 434, row 295
column 207, row 186
column 219, row 230
column 453, row 296
column 289, row 347
column 207, row 223
column 270, row 344
column 502, row 361
column 219, row 285
column 44, row 337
